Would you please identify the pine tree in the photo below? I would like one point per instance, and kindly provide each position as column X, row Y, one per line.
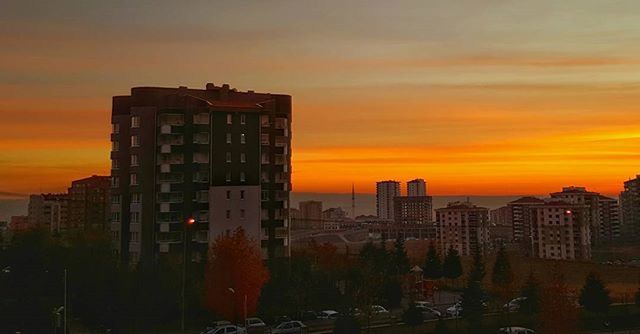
column 452, row 268
column 594, row 296
column 502, row 276
column 531, row 291
column 474, row 295
column 400, row 260
column 432, row 266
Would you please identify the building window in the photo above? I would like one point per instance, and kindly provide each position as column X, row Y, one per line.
column 243, row 158
column 228, row 194
column 115, row 146
column 228, row 156
column 136, row 197
column 265, row 157
column 228, row 214
column 242, row 177
column 114, row 164
column 265, row 195
column 228, row 138
column 243, row 138
column 135, row 121
column 134, row 179
column 264, row 120
column 241, row 194
column 264, row 139
column 115, row 182
column 135, row 217
column 229, row 119
column 228, row 178
column 115, row 199
column 135, row 237
column 134, row 160
column 242, row 213
column 115, row 216
column 243, row 119
column 115, row 128
column 135, row 141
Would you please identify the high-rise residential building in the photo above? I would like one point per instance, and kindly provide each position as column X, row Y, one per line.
column 49, row 212
column 311, row 214
column 559, row 230
column 463, row 226
column 386, row 191
column 630, row 210
column 501, row 216
column 412, row 209
column 521, row 232
column 602, row 213
column 217, row 155
column 416, row 188
column 89, row 203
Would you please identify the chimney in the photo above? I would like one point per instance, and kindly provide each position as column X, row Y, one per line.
column 210, row 86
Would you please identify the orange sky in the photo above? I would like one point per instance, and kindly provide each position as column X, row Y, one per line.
column 519, row 98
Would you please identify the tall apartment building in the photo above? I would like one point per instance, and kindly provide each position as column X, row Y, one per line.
column 218, row 155
column 559, row 230
column 630, row 210
column 386, row 191
column 416, row 188
column 521, row 231
column 49, row 212
column 502, row 216
column 311, row 214
column 602, row 213
column 89, row 203
column 463, row 226
column 412, row 209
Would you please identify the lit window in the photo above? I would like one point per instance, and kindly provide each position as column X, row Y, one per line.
column 243, row 157
column 135, row 141
column 134, row 160
column 135, row 121
column 243, row 138
column 134, row 179
column 243, row 119
column 229, row 119
column 228, row 138
column 228, row 156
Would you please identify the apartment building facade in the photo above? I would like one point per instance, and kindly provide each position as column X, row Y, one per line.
column 463, row 226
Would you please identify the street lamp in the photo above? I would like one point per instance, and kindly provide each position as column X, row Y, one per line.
column 190, row 222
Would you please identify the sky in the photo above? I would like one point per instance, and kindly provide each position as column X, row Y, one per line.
column 488, row 97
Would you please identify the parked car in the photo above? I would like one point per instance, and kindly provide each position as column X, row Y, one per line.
column 308, row 316
column 215, row 325
column 516, row 330
column 227, row 329
column 422, row 304
column 281, row 319
column 255, row 325
column 514, row 304
column 377, row 309
column 328, row 315
column 455, row 310
column 288, row 327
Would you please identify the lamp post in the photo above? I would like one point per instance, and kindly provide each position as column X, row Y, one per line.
column 185, row 239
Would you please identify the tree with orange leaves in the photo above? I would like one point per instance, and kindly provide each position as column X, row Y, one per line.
column 235, row 276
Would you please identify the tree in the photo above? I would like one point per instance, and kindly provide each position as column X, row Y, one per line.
column 412, row 317
column 502, row 276
column 558, row 313
column 235, row 275
column 432, row 266
column 531, row 291
column 452, row 268
column 594, row 297
column 473, row 296
column 399, row 258
column 392, row 293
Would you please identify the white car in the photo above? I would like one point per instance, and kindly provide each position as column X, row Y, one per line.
column 255, row 323
column 514, row 304
column 227, row 329
column 290, row 327
column 516, row 330
column 455, row 310
column 328, row 314
column 377, row 309
column 422, row 304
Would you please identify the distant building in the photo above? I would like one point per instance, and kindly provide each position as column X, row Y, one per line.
column 416, row 188
column 412, row 209
column 518, row 210
column 49, row 212
column 386, row 191
column 602, row 212
column 392, row 231
column 311, row 214
column 501, row 216
column 89, row 203
column 463, row 226
column 630, row 210
column 334, row 214
column 559, row 230
column 19, row 223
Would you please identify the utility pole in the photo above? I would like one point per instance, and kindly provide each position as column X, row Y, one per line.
column 185, row 239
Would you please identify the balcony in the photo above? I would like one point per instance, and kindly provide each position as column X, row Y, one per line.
column 169, row 217
column 279, row 159
column 171, row 119
column 201, row 158
column 201, row 138
column 172, row 197
column 171, row 139
column 170, row 178
column 281, row 123
column 201, row 118
column 281, row 141
column 171, row 159
column 281, row 233
column 201, row 177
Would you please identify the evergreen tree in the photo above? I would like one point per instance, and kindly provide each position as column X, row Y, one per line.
column 452, row 268
column 502, row 275
column 400, row 260
column 473, row 296
column 594, row 296
column 432, row 266
column 531, row 291
column 412, row 317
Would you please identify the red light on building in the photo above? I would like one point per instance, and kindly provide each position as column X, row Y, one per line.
column 191, row 221
column 568, row 212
